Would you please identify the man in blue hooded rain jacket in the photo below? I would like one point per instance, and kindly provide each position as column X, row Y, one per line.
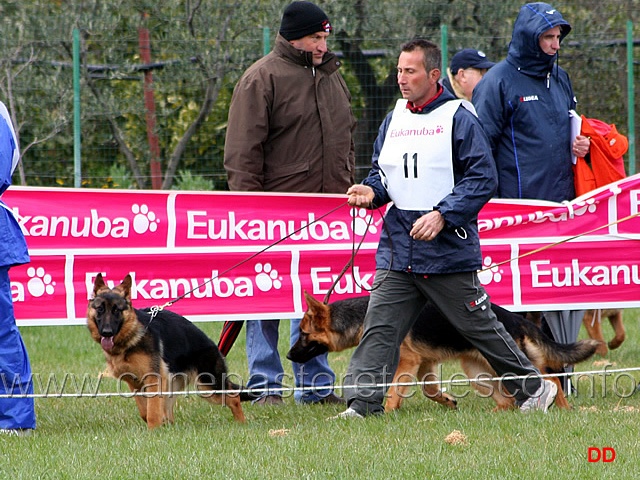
column 523, row 104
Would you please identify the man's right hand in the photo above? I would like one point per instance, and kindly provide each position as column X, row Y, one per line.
column 360, row 196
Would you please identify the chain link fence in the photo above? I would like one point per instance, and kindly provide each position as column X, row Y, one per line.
column 147, row 105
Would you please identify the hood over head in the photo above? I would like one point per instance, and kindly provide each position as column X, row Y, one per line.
column 524, row 50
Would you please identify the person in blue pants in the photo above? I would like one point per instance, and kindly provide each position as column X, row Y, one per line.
column 17, row 412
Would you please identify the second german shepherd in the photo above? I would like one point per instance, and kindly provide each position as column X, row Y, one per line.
column 592, row 321
column 431, row 341
column 156, row 355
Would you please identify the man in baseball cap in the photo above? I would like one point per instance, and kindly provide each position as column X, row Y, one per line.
column 470, row 58
column 467, row 68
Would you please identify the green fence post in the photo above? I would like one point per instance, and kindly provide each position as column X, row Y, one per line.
column 266, row 40
column 444, row 46
column 77, row 169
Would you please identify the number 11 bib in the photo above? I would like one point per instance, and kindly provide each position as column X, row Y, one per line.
column 416, row 157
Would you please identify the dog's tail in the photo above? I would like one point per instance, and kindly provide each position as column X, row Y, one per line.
column 558, row 355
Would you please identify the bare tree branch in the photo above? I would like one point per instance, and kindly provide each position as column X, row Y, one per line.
column 211, row 94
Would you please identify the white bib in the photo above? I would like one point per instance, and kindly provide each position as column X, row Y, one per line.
column 416, row 157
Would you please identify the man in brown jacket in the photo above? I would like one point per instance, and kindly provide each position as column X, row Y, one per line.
column 290, row 130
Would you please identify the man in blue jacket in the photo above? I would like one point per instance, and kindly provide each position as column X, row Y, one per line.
column 17, row 414
column 523, row 104
column 432, row 159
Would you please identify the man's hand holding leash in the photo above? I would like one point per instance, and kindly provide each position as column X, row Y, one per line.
column 425, row 228
column 360, row 196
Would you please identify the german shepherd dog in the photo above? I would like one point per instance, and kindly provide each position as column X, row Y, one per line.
column 156, row 355
column 592, row 321
column 431, row 341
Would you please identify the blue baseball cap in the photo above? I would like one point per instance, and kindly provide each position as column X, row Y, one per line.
column 469, row 58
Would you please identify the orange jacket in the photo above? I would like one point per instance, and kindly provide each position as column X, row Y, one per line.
column 605, row 154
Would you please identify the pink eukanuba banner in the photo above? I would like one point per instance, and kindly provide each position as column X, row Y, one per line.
column 221, row 256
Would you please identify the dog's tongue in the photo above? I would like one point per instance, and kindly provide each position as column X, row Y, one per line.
column 107, row 343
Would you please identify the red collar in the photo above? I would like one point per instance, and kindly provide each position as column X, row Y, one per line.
column 418, row 109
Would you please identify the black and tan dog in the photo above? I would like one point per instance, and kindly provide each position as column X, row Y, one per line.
column 592, row 321
column 156, row 356
column 431, row 341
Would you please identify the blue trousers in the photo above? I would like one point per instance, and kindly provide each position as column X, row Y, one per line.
column 15, row 369
column 265, row 367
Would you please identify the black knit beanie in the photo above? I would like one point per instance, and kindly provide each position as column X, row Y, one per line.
column 303, row 18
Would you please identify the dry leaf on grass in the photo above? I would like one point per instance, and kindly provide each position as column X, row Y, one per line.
column 626, row 408
column 282, row 432
column 456, row 438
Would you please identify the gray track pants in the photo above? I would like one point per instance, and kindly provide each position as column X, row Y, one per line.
column 396, row 301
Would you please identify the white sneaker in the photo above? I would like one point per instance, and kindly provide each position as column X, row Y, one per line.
column 348, row 413
column 542, row 399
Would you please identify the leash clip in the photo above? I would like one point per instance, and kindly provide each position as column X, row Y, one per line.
column 153, row 311
column 156, row 309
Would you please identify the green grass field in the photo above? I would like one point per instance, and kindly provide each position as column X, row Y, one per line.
column 93, row 437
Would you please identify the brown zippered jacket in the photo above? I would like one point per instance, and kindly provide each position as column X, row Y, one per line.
column 290, row 126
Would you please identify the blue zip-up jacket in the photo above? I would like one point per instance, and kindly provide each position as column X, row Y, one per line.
column 523, row 104
column 457, row 247
column 13, row 248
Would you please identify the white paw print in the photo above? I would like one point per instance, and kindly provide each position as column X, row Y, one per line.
column 363, row 222
column 40, row 282
column 267, row 278
column 489, row 273
column 144, row 220
column 589, row 206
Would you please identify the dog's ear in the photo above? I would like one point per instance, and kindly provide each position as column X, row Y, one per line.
column 126, row 287
column 307, row 298
column 98, row 284
column 312, row 303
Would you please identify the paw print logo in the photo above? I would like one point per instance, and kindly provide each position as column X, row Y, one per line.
column 144, row 220
column 39, row 282
column 589, row 206
column 267, row 278
column 363, row 223
column 489, row 273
